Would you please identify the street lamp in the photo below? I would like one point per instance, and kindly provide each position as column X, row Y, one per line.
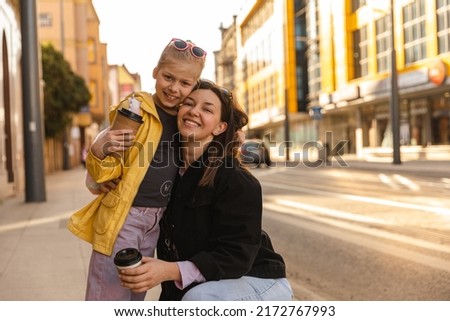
column 287, row 129
column 394, row 100
column 32, row 122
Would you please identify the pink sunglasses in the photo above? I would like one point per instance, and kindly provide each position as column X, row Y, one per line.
column 182, row 45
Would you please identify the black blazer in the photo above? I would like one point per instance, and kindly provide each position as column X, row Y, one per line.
column 218, row 228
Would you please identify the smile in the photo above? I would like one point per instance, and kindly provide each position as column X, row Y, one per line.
column 191, row 123
column 170, row 97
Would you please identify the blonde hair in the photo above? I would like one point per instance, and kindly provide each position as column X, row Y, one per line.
column 171, row 53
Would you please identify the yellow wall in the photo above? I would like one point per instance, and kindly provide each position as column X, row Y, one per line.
column 291, row 77
column 326, row 46
column 337, row 23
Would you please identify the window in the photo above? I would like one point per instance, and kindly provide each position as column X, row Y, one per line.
column 300, row 32
column 314, row 74
column 257, row 20
column 414, row 31
column 312, row 53
column 356, row 4
column 92, row 54
column 360, row 53
column 93, row 87
column 383, row 41
column 443, row 25
column 45, row 20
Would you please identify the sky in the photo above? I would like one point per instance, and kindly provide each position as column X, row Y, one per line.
column 136, row 31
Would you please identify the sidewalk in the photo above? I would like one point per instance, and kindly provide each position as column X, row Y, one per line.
column 42, row 260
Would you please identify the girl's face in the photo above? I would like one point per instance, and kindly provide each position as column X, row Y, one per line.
column 174, row 81
column 199, row 117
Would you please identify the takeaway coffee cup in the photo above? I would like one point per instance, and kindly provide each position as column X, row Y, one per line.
column 127, row 258
column 126, row 119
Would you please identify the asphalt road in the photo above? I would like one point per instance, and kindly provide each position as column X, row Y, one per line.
column 352, row 234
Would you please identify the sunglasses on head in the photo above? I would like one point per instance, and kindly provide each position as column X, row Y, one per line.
column 182, row 45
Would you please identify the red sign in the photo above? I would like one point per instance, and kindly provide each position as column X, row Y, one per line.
column 437, row 72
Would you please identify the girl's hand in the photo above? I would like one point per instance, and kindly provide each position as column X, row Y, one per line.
column 109, row 185
column 112, row 141
column 99, row 188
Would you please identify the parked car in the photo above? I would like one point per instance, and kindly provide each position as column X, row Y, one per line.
column 255, row 152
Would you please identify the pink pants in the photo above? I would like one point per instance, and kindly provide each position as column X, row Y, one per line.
column 141, row 231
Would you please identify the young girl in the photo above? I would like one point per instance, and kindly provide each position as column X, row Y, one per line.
column 128, row 215
column 211, row 245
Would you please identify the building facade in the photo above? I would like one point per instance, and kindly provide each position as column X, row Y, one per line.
column 319, row 71
column 263, row 59
column 11, row 111
column 72, row 27
column 227, row 69
column 355, row 95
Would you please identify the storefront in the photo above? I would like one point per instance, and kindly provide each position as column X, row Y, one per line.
column 424, row 109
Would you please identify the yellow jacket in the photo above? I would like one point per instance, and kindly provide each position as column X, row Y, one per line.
column 100, row 221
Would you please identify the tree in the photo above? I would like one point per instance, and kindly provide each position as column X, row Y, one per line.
column 65, row 92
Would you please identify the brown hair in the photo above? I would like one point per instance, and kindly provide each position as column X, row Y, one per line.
column 226, row 144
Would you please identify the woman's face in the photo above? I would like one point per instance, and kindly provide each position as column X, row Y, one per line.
column 199, row 117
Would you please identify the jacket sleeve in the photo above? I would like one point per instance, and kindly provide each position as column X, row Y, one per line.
column 109, row 168
column 235, row 228
column 103, row 170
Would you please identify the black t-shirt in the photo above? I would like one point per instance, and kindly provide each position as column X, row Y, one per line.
column 156, row 186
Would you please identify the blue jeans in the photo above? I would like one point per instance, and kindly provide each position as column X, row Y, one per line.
column 246, row 288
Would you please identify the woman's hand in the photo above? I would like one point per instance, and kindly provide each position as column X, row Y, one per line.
column 112, row 141
column 150, row 274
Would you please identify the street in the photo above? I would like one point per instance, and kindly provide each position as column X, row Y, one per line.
column 355, row 234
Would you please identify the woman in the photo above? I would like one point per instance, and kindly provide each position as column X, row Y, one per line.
column 211, row 245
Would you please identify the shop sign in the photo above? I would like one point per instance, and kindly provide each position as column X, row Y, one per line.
column 346, row 93
column 437, row 72
column 316, row 112
column 413, row 78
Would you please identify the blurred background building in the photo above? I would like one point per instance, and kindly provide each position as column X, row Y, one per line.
column 319, row 70
column 72, row 27
column 306, row 71
column 11, row 130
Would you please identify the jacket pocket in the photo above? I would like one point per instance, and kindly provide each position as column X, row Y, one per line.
column 106, row 212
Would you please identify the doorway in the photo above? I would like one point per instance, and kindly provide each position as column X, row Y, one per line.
column 7, row 110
